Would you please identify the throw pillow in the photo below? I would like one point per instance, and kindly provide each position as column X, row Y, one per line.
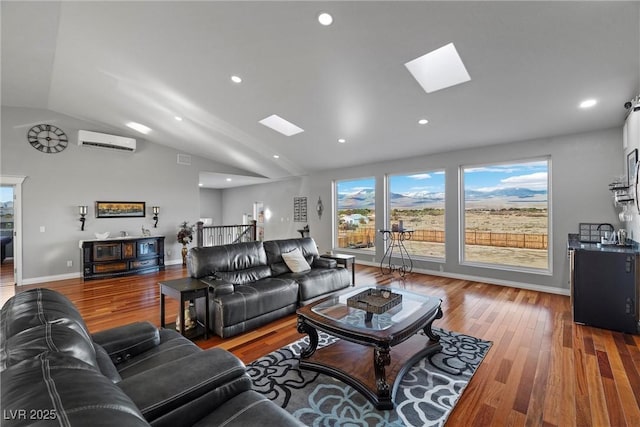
column 295, row 261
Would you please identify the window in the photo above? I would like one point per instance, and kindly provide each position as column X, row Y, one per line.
column 355, row 214
column 506, row 215
column 418, row 201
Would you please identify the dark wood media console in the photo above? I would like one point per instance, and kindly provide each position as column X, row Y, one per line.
column 120, row 257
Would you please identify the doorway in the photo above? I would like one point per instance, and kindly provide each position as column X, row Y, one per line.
column 7, row 276
column 7, row 269
column 10, row 232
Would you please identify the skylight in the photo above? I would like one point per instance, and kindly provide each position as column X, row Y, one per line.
column 439, row 69
column 281, row 125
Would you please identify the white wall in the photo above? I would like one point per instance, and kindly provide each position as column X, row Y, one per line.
column 57, row 183
column 278, row 203
column 582, row 166
column 211, row 205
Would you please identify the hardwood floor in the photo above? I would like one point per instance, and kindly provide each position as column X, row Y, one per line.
column 6, row 280
column 6, row 272
column 542, row 370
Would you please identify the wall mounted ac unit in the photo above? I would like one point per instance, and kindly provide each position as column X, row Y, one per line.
column 102, row 140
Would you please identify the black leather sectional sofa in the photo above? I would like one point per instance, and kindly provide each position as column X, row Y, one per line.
column 251, row 285
column 54, row 372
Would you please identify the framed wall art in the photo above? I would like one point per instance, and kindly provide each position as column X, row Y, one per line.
column 120, row 209
column 299, row 209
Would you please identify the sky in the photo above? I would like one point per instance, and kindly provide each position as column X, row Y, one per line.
column 349, row 187
column 6, row 193
column 531, row 175
column 432, row 182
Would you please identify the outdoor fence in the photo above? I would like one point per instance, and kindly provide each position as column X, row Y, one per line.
column 365, row 238
column 506, row 240
column 360, row 238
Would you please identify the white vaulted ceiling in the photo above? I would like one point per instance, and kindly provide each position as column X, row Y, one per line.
column 530, row 63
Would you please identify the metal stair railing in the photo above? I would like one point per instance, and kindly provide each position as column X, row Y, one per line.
column 216, row 235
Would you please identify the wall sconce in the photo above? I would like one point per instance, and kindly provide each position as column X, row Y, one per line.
column 83, row 213
column 319, row 208
column 156, row 211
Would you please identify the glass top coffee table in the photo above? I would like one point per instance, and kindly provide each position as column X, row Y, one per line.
column 388, row 326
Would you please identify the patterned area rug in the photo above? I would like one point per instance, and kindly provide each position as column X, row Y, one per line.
column 426, row 395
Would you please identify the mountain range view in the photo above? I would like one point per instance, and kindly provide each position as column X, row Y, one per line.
column 364, row 198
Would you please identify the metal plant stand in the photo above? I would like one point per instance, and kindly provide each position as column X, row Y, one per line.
column 395, row 239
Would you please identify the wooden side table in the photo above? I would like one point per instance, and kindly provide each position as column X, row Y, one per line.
column 345, row 260
column 186, row 289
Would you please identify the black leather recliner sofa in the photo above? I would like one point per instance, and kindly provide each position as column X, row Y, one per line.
column 54, row 372
column 250, row 284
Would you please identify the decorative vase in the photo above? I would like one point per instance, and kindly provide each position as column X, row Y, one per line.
column 189, row 317
column 184, row 254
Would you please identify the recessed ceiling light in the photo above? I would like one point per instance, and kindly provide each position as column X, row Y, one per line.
column 281, row 125
column 439, row 69
column 588, row 103
column 342, row 140
column 325, row 19
column 199, row 184
column 178, row 118
column 275, row 156
column 423, row 121
column 236, row 79
column 228, row 179
column 140, row 128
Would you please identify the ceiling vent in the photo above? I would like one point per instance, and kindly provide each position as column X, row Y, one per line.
column 103, row 140
column 184, row 159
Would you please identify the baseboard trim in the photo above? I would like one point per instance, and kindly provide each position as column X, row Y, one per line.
column 508, row 283
column 36, row 280
column 491, row 281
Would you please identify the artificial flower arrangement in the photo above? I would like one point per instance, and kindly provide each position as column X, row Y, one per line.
column 185, row 233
